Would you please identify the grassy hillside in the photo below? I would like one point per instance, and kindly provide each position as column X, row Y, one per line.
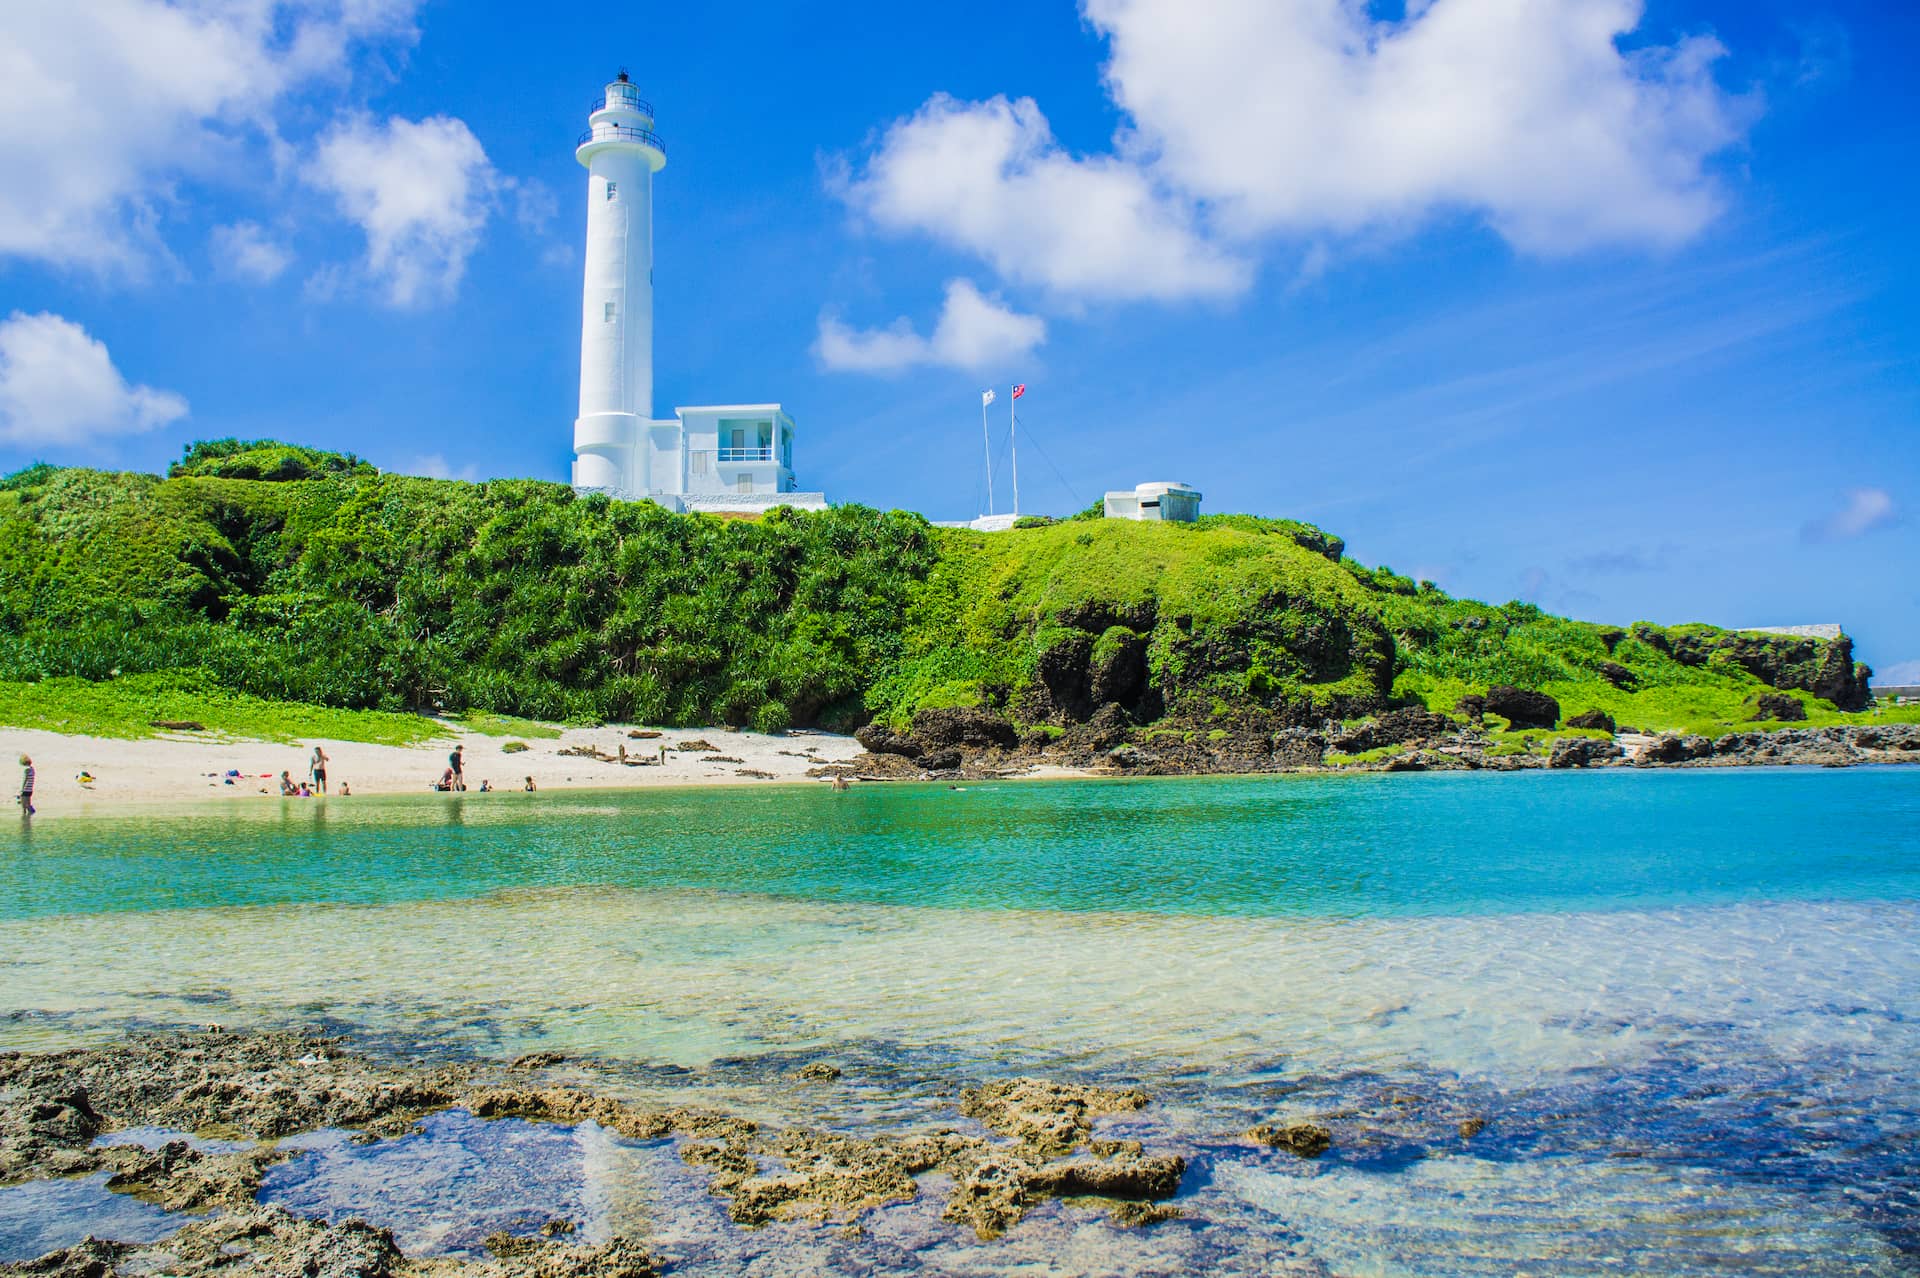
column 281, row 574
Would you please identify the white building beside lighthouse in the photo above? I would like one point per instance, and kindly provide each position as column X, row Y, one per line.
column 730, row 457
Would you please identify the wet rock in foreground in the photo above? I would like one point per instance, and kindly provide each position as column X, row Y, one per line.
column 1306, row 1140
column 269, row 1241
column 262, row 1087
column 828, row 1177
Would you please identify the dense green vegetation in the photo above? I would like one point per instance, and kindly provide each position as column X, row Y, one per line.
column 260, row 572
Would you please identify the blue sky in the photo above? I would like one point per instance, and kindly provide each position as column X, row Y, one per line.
column 1607, row 306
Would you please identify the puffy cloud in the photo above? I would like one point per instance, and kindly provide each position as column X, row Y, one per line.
column 106, row 106
column 989, row 178
column 1308, row 115
column 436, row 466
column 421, row 190
column 1310, row 118
column 58, row 385
column 973, row 332
column 1865, row 510
column 1901, row 674
column 244, row 251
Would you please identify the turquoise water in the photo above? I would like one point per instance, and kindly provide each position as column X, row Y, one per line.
column 1686, row 1003
column 1315, row 846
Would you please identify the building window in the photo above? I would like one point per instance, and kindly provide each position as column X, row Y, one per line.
column 744, row 484
column 697, row 462
column 608, row 317
column 611, row 188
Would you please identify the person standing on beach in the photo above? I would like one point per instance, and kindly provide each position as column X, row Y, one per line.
column 318, row 765
column 459, row 774
column 26, row 786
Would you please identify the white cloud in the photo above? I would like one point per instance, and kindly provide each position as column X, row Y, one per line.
column 1307, row 119
column 421, row 190
column 1865, row 510
column 973, row 332
column 106, row 106
column 436, row 466
column 989, row 178
column 1902, row 674
column 58, row 385
column 244, row 251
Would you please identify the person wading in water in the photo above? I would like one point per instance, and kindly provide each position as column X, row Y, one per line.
column 26, row 786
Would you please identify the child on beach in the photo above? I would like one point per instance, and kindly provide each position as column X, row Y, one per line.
column 26, row 786
column 531, row 787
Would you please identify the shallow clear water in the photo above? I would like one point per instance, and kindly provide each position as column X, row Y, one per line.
column 1686, row 1003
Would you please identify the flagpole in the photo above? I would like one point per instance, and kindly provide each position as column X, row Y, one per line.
column 1013, row 438
column 986, row 443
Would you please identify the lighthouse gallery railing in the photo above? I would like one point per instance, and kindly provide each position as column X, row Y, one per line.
column 621, row 133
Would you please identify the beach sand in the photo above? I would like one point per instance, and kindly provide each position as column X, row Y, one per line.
column 193, row 766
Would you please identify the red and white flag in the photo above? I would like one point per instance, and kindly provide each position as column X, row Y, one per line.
column 1019, row 390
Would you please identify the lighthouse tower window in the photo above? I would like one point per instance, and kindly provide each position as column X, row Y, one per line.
column 608, row 319
column 611, row 188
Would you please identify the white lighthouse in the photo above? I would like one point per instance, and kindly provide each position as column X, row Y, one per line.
column 730, row 457
column 621, row 154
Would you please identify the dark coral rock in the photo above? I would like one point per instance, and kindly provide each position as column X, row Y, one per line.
column 1119, row 670
column 1778, row 705
column 1064, row 668
column 1297, row 748
column 1582, row 752
column 1616, row 674
column 1598, row 720
column 1523, row 708
column 1396, row 727
column 1305, row 1140
column 1108, row 728
column 963, row 726
column 877, row 738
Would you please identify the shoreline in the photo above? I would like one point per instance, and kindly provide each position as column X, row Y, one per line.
column 152, row 772
column 190, row 770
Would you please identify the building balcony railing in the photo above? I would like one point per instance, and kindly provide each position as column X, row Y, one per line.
column 621, row 133
column 746, row 454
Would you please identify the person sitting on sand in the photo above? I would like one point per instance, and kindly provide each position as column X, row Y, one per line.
column 446, row 780
column 531, row 787
column 26, row 786
column 344, row 790
column 306, row 791
column 486, row 786
column 288, row 790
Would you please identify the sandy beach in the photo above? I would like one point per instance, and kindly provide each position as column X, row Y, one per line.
column 195, row 766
